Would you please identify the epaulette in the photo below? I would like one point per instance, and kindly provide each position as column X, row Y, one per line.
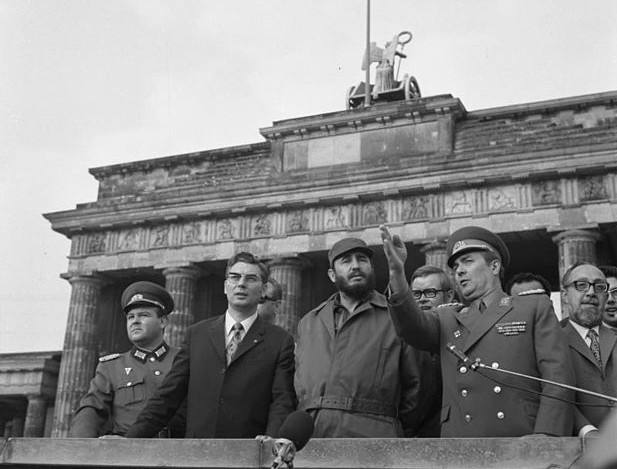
column 450, row 305
column 111, row 356
column 537, row 291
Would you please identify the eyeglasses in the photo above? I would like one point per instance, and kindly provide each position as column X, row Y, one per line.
column 429, row 293
column 234, row 278
column 583, row 285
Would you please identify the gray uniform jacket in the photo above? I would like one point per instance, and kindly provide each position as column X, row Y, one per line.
column 119, row 391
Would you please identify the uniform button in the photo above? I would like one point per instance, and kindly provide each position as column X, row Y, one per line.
column 463, row 369
column 495, row 365
column 152, row 359
column 497, row 389
column 157, row 373
column 500, row 415
column 130, row 383
column 468, row 418
column 464, row 393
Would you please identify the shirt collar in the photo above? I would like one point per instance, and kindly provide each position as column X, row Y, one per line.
column 246, row 323
column 490, row 298
column 142, row 355
column 374, row 299
column 582, row 330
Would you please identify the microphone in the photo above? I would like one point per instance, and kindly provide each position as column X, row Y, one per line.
column 295, row 433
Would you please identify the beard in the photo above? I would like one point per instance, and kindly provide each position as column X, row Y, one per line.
column 356, row 291
column 588, row 316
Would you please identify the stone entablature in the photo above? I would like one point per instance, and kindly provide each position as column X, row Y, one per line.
column 271, row 231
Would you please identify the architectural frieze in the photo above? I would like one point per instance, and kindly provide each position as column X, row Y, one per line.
column 354, row 213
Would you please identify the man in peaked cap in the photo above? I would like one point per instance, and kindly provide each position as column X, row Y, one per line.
column 353, row 374
column 124, row 381
column 519, row 334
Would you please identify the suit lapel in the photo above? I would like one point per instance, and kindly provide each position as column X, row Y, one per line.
column 579, row 344
column 217, row 337
column 487, row 320
column 251, row 339
column 607, row 344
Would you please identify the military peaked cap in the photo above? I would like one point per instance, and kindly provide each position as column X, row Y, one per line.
column 475, row 238
column 147, row 294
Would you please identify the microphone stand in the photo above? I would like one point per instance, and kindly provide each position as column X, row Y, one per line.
column 474, row 365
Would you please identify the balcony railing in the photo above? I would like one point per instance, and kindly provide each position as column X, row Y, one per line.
column 515, row 453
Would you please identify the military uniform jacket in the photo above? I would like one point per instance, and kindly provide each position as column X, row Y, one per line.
column 519, row 334
column 589, row 375
column 119, row 391
column 363, row 380
column 251, row 396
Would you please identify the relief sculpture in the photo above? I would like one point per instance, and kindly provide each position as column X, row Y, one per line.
column 415, row 207
column 375, row 213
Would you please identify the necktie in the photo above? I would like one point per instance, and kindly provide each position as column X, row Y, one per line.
column 236, row 337
column 595, row 345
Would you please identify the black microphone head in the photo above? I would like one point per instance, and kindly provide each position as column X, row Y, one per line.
column 297, row 427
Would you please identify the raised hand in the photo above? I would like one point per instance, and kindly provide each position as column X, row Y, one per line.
column 396, row 255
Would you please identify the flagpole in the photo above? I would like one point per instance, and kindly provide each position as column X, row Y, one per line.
column 367, row 83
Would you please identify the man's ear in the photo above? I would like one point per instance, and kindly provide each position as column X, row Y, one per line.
column 164, row 321
column 331, row 275
column 449, row 296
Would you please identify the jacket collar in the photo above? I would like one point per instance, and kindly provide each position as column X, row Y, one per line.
column 158, row 354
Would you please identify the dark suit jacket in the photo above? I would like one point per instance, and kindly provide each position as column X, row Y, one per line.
column 589, row 375
column 251, row 396
column 519, row 334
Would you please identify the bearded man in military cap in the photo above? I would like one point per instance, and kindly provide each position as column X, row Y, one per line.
column 519, row 334
column 354, row 375
column 124, row 381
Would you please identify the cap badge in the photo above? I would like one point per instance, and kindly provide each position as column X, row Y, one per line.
column 137, row 297
column 458, row 246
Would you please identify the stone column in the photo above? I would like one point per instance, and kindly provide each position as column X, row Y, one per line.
column 35, row 417
column 181, row 283
column 80, row 350
column 288, row 272
column 17, row 427
column 575, row 246
column 436, row 255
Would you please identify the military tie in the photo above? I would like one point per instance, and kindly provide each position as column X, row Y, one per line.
column 236, row 338
column 595, row 345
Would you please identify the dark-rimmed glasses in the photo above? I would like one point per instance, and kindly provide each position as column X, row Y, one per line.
column 429, row 293
column 583, row 285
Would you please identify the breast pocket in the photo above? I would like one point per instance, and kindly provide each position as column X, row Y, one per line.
column 131, row 392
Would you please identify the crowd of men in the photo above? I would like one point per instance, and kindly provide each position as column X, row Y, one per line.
column 437, row 355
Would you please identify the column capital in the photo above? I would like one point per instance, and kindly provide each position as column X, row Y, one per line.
column 577, row 235
column 85, row 278
column 298, row 261
column 433, row 246
column 190, row 271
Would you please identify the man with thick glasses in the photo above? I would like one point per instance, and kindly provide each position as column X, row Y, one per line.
column 592, row 345
column 353, row 374
column 609, row 317
column 235, row 370
column 519, row 334
column 432, row 288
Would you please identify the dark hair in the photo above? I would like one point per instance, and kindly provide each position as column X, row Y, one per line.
column 528, row 277
column 425, row 270
column 248, row 258
column 608, row 270
column 565, row 280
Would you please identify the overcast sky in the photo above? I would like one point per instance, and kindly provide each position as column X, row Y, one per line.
column 92, row 83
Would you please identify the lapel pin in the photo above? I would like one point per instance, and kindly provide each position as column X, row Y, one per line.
column 457, row 333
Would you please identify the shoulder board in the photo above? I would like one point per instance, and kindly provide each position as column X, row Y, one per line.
column 505, row 301
column 450, row 305
column 111, row 356
column 538, row 291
